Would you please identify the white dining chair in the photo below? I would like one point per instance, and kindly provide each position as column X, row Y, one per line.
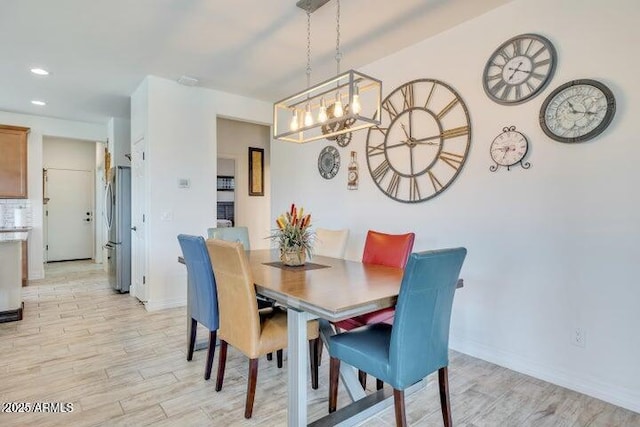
column 330, row 243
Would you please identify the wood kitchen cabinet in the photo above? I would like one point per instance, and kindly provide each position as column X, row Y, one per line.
column 13, row 162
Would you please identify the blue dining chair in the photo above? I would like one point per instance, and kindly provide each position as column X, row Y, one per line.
column 417, row 343
column 203, row 297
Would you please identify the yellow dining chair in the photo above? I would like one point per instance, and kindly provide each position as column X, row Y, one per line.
column 331, row 243
column 240, row 324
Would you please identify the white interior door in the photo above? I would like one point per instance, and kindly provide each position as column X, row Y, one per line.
column 69, row 214
column 138, row 226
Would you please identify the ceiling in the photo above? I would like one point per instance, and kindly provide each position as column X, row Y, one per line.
column 99, row 51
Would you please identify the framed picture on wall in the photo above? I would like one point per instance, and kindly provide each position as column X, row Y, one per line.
column 256, row 171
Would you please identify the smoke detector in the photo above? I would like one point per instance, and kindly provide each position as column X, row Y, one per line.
column 188, row 81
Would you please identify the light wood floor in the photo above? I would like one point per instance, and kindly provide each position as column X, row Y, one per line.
column 119, row 365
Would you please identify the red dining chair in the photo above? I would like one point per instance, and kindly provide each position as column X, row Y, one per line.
column 392, row 250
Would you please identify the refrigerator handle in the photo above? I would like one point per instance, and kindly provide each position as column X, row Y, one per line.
column 108, row 211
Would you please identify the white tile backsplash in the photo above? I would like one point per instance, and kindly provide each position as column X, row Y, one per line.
column 8, row 212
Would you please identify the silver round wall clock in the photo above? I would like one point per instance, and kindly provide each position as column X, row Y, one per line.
column 519, row 69
column 328, row 162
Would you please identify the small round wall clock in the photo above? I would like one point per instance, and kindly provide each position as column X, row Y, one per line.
column 329, row 162
column 422, row 143
column 577, row 111
column 509, row 149
column 519, row 69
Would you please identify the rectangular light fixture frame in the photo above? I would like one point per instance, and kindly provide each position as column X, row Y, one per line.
column 347, row 84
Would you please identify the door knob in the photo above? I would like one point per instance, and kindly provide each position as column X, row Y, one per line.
column 134, row 228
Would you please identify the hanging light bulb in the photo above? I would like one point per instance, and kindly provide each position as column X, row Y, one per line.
column 308, row 118
column 337, row 107
column 355, row 106
column 322, row 114
column 294, row 121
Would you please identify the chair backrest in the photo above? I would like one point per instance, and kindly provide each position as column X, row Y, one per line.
column 420, row 334
column 239, row 319
column 391, row 250
column 203, row 296
column 331, row 243
column 231, row 234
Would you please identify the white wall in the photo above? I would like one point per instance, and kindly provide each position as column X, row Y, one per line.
column 234, row 140
column 65, row 153
column 551, row 248
column 179, row 126
column 44, row 126
column 119, row 134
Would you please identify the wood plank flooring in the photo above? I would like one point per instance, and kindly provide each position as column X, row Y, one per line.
column 122, row 366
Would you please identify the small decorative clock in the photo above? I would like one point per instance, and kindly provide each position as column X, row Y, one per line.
column 519, row 69
column 577, row 111
column 329, row 162
column 422, row 143
column 509, row 149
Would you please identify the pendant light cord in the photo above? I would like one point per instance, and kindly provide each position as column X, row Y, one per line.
column 308, row 43
column 338, row 53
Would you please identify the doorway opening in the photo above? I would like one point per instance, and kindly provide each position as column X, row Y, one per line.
column 69, row 197
column 225, row 186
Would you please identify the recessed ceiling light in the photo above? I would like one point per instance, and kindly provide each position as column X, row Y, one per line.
column 40, row 71
column 39, row 103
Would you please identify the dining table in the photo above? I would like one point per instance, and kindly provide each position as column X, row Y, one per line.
column 329, row 289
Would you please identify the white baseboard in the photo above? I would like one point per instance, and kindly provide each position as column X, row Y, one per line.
column 611, row 393
column 154, row 305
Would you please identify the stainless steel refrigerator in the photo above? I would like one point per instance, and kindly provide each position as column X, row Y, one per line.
column 117, row 214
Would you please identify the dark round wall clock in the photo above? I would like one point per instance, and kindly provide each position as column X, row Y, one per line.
column 328, row 162
column 519, row 69
column 577, row 111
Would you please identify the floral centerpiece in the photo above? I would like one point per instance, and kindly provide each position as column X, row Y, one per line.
column 294, row 236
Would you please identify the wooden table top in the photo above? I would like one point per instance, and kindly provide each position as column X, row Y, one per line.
column 343, row 290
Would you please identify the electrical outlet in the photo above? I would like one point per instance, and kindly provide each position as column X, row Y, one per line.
column 579, row 337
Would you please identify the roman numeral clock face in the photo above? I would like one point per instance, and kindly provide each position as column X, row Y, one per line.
column 422, row 143
column 519, row 69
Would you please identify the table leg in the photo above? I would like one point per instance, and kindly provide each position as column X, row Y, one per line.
column 297, row 367
column 347, row 372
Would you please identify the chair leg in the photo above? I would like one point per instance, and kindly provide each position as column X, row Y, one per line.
column 401, row 416
column 192, row 339
column 210, row 352
column 334, row 374
column 445, row 404
column 222, row 361
column 251, row 387
column 319, row 350
column 362, row 377
column 269, row 356
column 279, row 356
column 313, row 358
column 379, row 384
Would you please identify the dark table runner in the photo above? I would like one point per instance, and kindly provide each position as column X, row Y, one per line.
column 306, row 266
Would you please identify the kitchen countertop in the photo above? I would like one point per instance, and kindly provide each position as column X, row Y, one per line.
column 14, row 229
column 13, row 236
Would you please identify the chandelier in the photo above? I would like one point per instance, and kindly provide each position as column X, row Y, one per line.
column 347, row 102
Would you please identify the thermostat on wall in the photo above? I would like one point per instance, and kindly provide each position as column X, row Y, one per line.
column 184, row 183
